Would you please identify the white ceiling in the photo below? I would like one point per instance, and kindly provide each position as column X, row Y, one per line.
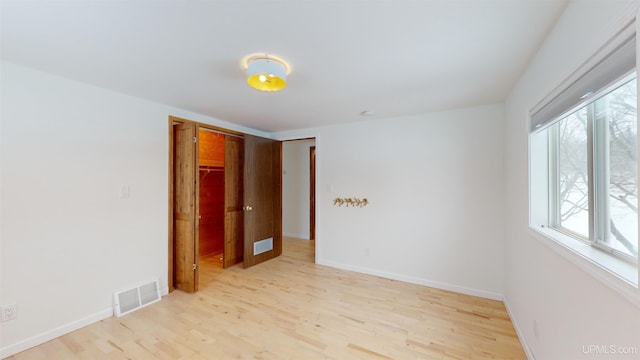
column 392, row 57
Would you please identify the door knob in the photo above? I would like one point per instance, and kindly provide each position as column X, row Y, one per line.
column 247, row 208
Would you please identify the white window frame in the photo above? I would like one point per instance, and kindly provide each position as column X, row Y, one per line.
column 615, row 269
column 597, row 168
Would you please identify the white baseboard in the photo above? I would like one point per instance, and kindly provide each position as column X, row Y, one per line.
column 523, row 342
column 297, row 236
column 413, row 280
column 54, row 333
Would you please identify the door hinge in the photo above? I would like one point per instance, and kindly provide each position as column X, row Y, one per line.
column 195, row 267
column 194, row 139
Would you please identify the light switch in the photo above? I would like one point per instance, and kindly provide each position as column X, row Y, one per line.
column 124, row 192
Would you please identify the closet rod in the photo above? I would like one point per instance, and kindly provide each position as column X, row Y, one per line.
column 210, row 168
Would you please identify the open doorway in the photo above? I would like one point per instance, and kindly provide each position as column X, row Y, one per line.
column 298, row 189
column 211, row 174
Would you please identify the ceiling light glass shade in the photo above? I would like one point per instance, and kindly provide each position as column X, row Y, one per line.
column 266, row 75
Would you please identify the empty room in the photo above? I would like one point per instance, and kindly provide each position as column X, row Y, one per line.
column 441, row 179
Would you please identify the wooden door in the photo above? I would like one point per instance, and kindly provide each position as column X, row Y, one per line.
column 262, row 199
column 185, row 216
column 312, row 193
column 233, row 200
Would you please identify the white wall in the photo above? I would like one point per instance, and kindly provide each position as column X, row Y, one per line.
column 434, row 183
column 67, row 240
column 295, row 188
column 569, row 307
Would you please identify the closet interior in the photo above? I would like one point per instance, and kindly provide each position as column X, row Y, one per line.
column 211, row 200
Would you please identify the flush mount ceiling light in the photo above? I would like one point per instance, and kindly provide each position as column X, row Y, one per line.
column 266, row 72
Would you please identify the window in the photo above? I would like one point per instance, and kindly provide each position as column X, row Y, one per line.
column 584, row 159
column 598, row 206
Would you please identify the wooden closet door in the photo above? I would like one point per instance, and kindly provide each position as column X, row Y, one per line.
column 233, row 200
column 185, row 207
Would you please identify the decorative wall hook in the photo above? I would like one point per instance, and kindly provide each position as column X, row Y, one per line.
column 351, row 202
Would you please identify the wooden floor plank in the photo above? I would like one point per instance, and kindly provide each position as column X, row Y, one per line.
column 290, row 308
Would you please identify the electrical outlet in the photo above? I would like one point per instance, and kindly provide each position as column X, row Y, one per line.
column 9, row 312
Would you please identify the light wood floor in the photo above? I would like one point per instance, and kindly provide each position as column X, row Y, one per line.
column 290, row 308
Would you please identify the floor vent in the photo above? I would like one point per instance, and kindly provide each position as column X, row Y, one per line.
column 136, row 297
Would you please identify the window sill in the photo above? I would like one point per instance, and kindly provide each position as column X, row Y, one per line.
column 615, row 273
